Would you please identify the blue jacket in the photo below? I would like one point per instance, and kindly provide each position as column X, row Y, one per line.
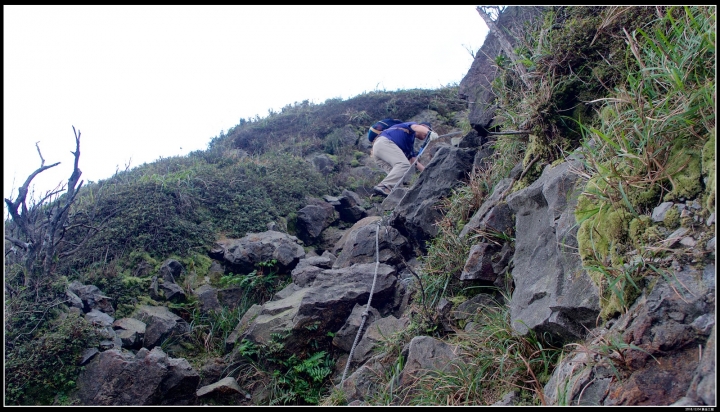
column 403, row 136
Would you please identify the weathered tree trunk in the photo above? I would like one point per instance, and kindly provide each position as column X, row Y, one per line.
column 41, row 226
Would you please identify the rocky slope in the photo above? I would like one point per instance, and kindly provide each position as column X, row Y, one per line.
column 354, row 261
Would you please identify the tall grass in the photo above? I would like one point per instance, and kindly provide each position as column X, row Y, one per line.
column 647, row 147
column 496, row 361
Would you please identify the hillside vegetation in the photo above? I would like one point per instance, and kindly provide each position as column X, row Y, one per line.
column 633, row 87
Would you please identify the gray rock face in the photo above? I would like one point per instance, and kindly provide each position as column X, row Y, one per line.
column 147, row 378
column 242, row 326
column 492, row 214
column 350, row 207
column 305, row 275
column 552, row 292
column 211, row 371
column 223, row 387
column 245, row 253
column 307, row 269
column 426, row 354
column 171, row 270
column 172, row 292
column 363, row 240
column 313, row 219
column 415, row 216
column 340, row 244
column 161, row 324
column 309, row 312
column 208, row 298
column 377, row 331
column 703, row 386
column 97, row 318
column 91, row 298
column 130, row 331
column 329, row 238
column 365, row 381
column 74, row 300
column 479, row 265
column 345, row 337
column 476, row 87
column 667, row 325
column 472, row 139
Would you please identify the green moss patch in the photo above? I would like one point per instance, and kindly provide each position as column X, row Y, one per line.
column 684, row 168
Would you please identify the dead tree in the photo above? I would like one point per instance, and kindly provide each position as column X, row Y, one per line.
column 38, row 229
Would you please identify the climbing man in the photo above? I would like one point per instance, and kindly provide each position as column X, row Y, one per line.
column 394, row 151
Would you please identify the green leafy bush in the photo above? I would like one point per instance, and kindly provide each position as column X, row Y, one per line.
column 38, row 370
column 302, row 380
column 166, row 210
column 647, row 148
column 260, row 284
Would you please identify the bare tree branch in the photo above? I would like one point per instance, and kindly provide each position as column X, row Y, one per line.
column 17, row 242
column 92, row 230
column 22, row 194
column 39, row 228
column 59, row 217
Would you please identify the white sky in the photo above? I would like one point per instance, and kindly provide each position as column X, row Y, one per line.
column 144, row 82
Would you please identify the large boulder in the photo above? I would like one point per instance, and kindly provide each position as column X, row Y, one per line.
column 313, row 219
column 366, row 381
column 350, row 207
column 131, row 332
column 171, row 270
column 307, row 313
column 649, row 356
column 492, row 214
column 307, row 269
column 224, row 387
column 245, row 253
column 376, row 331
column 91, row 297
column 367, row 242
column 427, row 354
column 416, row 215
column 207, row 297
column 553, row 294
column 150, row 377
column 161, row 324
column 345, row 337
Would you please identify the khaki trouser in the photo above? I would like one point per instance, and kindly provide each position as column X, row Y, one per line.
column 391, row 159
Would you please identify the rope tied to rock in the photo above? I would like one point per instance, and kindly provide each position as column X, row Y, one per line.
column 366, row 313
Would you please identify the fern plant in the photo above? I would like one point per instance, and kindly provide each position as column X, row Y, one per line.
column 303, row 379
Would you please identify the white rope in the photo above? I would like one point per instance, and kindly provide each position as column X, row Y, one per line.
column 367, row 308
column 377, row 265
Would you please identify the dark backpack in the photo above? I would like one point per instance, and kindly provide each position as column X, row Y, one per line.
column 381, row 125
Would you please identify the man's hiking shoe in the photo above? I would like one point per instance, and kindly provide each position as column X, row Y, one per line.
column 380, row 191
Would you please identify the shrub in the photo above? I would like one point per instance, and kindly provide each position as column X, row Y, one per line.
column 38, row 370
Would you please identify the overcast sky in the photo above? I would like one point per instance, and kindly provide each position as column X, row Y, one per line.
column 144, row 82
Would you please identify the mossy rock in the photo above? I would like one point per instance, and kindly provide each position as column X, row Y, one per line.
column 684, row 168
column 603, row 237
column 642, row 231
column 672, row 218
